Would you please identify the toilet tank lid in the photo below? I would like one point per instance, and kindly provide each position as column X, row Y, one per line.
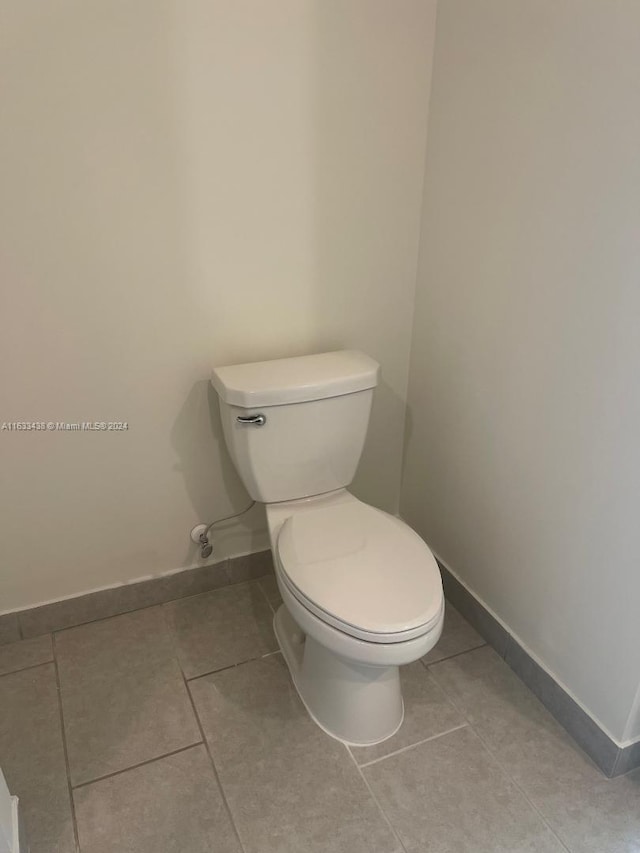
column 295, row 380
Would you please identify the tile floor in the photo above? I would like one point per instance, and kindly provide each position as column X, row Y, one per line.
column 175, row 729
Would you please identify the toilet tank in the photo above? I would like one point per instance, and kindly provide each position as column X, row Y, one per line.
column 295, row 427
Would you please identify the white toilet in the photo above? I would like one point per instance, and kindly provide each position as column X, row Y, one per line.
column 362, row 592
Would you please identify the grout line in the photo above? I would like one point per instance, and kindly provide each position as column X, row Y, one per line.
column 135, row 766
column 505, row 770
column 190, row 678
column 455, row 655
column 207, row 591
column 65, row 749
column 132, row 610
column 412, row 745
column 25, row 668
column 213, row 766
column 279, row 652
column 375, row 799
column 221, row 588
column 213, row 589
column 204, row 741
column 54, row 630
column 519, row 787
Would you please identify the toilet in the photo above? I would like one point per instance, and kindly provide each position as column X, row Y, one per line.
column 362, row 593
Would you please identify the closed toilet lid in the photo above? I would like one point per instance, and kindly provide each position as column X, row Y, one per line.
column 362, row 570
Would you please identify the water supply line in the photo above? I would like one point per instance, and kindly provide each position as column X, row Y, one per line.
column 206, row 549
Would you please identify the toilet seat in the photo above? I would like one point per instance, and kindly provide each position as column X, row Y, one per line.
column 361, row 570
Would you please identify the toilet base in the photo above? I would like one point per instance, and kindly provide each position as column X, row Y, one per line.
column 357, row 704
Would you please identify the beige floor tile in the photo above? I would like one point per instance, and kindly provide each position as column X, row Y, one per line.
column 450, row 796
column 604, row 818
column 290, row 787
column 123, row 695
column 25, row 653
column 221, row 628
column 172, row 805
column 32, row 757
column 532, row 747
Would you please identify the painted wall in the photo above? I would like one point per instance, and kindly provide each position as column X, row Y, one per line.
column 186, row 183
column 522, row 460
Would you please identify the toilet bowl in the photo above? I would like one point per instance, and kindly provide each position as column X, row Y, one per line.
column 362, row 593
column 362, row 596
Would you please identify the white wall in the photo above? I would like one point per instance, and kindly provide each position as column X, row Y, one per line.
column 186, row 183
column 523, row 461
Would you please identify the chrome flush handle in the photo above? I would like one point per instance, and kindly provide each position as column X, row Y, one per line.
column 252, row 420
